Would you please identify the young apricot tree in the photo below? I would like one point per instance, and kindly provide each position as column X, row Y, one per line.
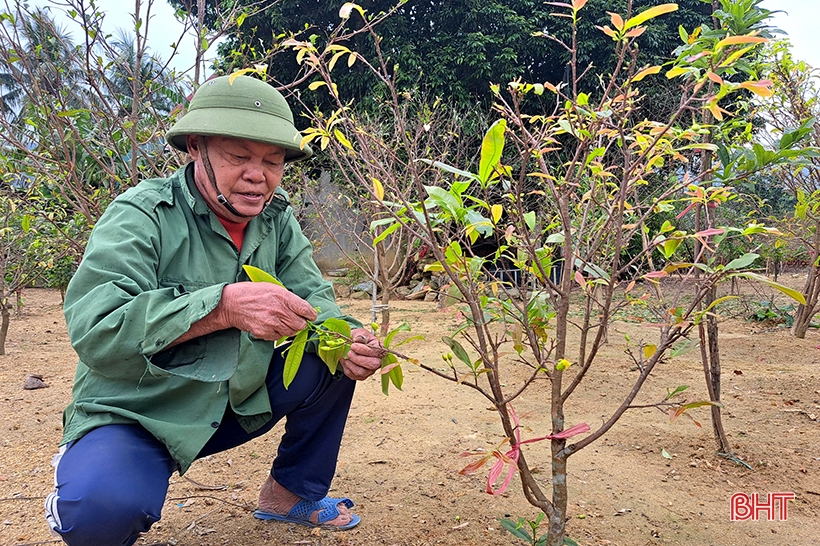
column 577, row 191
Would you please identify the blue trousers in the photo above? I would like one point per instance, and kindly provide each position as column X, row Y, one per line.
column 111, row 484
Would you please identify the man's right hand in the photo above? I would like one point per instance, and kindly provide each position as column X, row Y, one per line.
column 265, row 310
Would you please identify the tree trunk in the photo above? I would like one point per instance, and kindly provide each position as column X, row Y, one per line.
column 710, row 356
column 4, row 324
column 385, row 278
column 811, row 290
column 558, row 517
column 804, row 312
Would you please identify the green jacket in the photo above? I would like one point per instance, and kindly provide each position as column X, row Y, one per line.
column 155, row 264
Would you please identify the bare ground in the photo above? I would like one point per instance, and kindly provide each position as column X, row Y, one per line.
column 400, row 456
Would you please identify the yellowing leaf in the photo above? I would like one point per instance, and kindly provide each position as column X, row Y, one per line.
column 650, row 14
column 563, row 364
column 760, row 88
column 242, row 72
column 315, row 85
column 343, row 139
column 492, row 146
column 260, row 275
column 336, row 57
column 792, row 293
column 496, row 211
column 305, row 141
column 731, row 40
column 646, row 72
column 676, row 72
column 735, row 56
column 347, row 9
column 649, row 350
column 378, row 189
column 715, row 109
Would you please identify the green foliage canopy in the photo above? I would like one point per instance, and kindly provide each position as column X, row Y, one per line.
column 451, row 49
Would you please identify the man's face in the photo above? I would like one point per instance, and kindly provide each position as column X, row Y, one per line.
column 246, row 172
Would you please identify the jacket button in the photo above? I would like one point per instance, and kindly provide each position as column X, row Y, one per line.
column 215, row 424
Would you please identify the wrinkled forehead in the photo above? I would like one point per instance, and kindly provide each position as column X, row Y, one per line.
column 233, row 145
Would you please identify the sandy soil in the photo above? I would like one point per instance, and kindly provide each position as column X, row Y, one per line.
column 400, row 456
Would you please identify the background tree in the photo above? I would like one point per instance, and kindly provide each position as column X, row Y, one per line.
column 29, row 251
column 792, row 111
column 79, row 124
column 448, row 49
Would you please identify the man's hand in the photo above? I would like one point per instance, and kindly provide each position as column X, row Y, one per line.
column 265, row 310
column 364, row 357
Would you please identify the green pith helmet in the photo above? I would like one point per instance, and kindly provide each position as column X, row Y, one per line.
column 247, row 108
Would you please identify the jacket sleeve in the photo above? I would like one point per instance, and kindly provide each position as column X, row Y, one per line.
column 117, row 314
column 300, row 274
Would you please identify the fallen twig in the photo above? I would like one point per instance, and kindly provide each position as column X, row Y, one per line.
column 206, row 487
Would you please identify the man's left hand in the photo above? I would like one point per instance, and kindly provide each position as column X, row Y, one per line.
column 364, row 357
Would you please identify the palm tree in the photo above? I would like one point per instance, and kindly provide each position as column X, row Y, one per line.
column 37, row 59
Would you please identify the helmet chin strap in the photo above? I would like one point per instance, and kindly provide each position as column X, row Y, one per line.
column 206, row 162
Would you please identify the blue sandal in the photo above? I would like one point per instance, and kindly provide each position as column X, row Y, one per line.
column 300, row 513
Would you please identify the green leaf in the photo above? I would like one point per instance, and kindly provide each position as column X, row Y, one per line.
column 404, row 327
column 449, row 168
column 386, row 378
column 396, row 376
column 743, row 262
column 555, row 239
column 293, row 358
column 517, row 530
column 444, row 200
column 793, row 294
column 458, row 350
column 71, row 113
column 667, row 227
column 453, row 253
column 683, row 348
column 565, row 125
column 665, row 454
column 491, row 149
column 337, row 325
column 384, row 234
column 676, row 391
column 529, row 218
